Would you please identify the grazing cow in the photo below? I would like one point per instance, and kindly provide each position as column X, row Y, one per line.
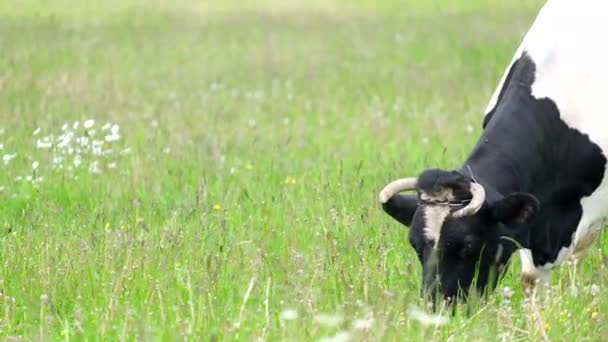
column 536, row 180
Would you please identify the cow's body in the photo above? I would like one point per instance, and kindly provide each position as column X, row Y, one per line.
column 536, row 180
column 568, row 46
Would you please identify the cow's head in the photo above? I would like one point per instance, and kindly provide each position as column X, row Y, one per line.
column 463, row 233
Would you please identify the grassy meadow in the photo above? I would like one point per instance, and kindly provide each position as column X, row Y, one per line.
column 209, row 170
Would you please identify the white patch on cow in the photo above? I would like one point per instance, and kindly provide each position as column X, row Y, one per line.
column 531, row 271
column 445, row 194
column 434, row 216
column 542, row 273
column 567, row 44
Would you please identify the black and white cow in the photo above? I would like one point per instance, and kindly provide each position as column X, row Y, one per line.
column 536, row 180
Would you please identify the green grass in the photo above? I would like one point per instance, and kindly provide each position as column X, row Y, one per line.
column 259, row 137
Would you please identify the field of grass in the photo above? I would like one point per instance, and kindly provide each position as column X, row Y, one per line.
column 210, row 170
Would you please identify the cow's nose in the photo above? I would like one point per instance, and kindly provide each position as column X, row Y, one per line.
column 431, row 291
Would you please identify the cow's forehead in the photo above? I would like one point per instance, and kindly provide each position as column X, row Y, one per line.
column 435, row 215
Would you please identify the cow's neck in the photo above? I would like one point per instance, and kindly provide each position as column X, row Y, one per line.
column 517, row 151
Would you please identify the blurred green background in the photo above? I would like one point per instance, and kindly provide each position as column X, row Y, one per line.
column 236, row 197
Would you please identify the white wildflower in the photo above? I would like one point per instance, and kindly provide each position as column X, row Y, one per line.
column 89, row 123
column 37, row 130
column 469, row 128
column 115, row 129
column 363, row 323
column 112, row 165
column 112, row 137
column 289, row 315
column 84, row 141
column 29, row 178
column 18, row 179
column 75, row 125
column 340, row 336
column 8, row 157
column 106, row 127
column 1, row 146
column 44, row 143
column 154, row 123
column 167, row 150
column 425, row 318
column 328, row 320
column 94, row 167
column 595, row 289
column 35, row 165
column 64, row 139
column 77, row 160
column 252, row 123
column 64, row 127
column 2, row 188
column 507, row 292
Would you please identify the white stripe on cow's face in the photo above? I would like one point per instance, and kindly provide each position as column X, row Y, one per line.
column 435, row 215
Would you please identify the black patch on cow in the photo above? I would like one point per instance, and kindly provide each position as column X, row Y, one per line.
column 435, row 181
column 527, row 147
column 488, row 116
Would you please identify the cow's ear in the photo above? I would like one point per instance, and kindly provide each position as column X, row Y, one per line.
column 516, row 209
column 401, row 207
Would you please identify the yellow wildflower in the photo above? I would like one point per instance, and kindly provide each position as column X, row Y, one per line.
column 594, row 315
column 217, row 207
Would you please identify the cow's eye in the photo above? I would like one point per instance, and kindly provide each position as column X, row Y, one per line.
column 466, row 249
column 464, row 252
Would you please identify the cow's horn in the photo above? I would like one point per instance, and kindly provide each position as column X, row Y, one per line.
column 479, row 196
column 397, row 186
